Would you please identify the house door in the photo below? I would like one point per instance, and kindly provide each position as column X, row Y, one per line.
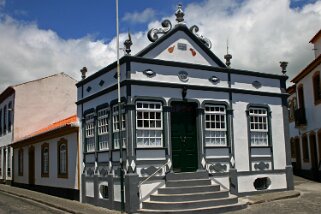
column 31, row 165
column 298, row 154
column 184, row 136
column 313, row 152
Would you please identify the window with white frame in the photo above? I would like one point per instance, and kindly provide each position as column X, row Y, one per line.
column 259, row 128
column 62, row 158
column 45, row 160
column 90, row 132
column 103, row 128
column 149, row 124
column 116, row 126
column 215, row 125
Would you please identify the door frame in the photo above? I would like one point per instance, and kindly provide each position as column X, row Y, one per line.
column 198, row 126
column 31, row 165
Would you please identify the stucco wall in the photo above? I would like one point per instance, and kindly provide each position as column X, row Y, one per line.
column 53, row 180
column 42, row 102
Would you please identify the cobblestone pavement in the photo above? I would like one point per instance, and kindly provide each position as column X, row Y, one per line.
column 308, row 202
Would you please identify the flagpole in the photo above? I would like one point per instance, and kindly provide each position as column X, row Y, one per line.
column 122, row 204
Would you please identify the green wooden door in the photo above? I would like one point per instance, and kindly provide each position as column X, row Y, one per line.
column 184, row 137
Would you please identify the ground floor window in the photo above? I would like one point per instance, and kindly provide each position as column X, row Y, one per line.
column 119, row 131
column 149, row 124
column 62, row 158
column 259, row 128
column 9, row 161
column 90, row 132
column 45, row 160
column 293, row 148
column 0, row 162
column 215, row 125
column 305, row 148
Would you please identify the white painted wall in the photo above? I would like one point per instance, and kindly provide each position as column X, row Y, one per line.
column 161, row 52
column 52, row 181
column 167, row 74
column 246, row 183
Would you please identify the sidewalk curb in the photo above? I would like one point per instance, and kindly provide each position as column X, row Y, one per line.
column 294, row 195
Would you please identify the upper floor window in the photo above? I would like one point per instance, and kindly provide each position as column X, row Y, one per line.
column 0, row 121
column 292, row 108
column 45, row 160
column 90, row 132
column 259, row 127
column 20, row 162
column 301, row 96
column 116, row 126
column 10, row 111
column 149, row 124
column 102, row 118
column 215, row 125
column 5, row 119
column 316, row 87
column 62, row 159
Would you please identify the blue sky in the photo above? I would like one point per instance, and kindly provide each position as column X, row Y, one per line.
column 79, row 18
column 43, row 37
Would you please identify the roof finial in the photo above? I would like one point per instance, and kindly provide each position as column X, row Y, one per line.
column 228, row 56
column 283, row 65
column 128, row 42
column 179, row 14
column 83, row 72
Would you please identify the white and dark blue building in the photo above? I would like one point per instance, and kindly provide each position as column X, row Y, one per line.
column 192, row 128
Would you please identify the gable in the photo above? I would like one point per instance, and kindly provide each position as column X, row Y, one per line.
column 181, row 45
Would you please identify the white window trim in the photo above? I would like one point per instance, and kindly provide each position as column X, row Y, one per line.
column 100, row 117
column 143, row 109
column 216, row 129
column 264, row 131
column 90, row 120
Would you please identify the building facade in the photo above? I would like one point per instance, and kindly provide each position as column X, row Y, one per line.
column 47, row 160
column 305, row 111
column 24, row 109
column 182, row 111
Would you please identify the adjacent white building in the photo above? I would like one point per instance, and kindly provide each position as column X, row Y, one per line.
column 305, row 111
column 28, row 107
column 47, row 160
column 184, row 115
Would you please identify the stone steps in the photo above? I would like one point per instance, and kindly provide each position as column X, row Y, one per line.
column 191, row 192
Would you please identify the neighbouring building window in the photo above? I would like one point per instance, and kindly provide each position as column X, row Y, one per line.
column 293, row 148
column 62, row 159
column 0, row 122
column 259, row 127
column 116, row 126
column 10, row 110
column 102, row 118
column 292, row 108
column 149, row 124
column 4, row 119
column 305, row 148
column 45, row 160
column 20, row 162
column 90, row 132
column 9, row 161
column 215, row 125
column 0, row 162
column 316, row 87
column 301, row 96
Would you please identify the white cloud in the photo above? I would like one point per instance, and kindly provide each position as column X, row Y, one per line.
column 140, row 17
column 261, row 33
column 2, row 2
